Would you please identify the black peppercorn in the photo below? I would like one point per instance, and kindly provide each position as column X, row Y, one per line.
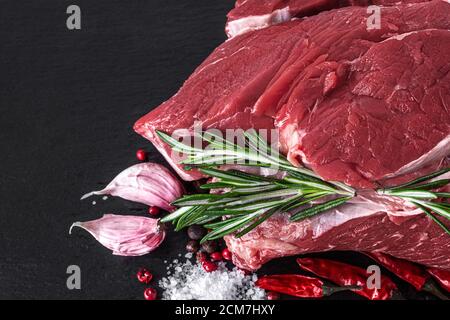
column 196, row 232
column 210, row 246
column 192, row 246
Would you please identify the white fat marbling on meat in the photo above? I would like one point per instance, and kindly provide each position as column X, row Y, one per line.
column 241, row 26
column 403, row 35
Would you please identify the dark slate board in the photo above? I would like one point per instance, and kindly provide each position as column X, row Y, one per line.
column 68, row 102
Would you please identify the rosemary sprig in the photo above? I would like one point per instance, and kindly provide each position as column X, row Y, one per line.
column 312, row 211
column 420, row 193
column 255, row 152
column 244, row 201
column 248, row 200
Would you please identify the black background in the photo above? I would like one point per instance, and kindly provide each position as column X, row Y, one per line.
column 68, row 101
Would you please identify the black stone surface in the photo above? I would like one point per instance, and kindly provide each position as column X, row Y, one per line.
column 68, row 101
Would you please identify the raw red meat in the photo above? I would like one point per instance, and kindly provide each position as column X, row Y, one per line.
column 301, row 67
column 385, row 115
column 251, row 15
column 364, row 107
column 366, row 223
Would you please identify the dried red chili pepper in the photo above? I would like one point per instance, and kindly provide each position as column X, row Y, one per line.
column 409, row 272
column 405, row 270
column 347, row 275
column 441, row 276
column 298, row 286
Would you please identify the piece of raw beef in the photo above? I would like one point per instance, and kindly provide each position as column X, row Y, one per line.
column 319, row 81
column 366, row 107
column 367, row 223
column 251, row 15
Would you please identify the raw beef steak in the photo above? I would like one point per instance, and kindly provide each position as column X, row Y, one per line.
column 366, row 107
column 292, row 76
column 380, row 116
column 368, row 222
column 251, row 15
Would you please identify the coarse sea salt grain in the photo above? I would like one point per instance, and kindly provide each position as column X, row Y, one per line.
column 189, row 281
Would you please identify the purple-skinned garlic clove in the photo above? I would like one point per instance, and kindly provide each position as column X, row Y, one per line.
column 147, row 183
column 125, row 235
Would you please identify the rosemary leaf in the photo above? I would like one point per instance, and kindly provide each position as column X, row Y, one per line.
column 432, row 185
column 187, row 219
column 260, row 146
column 176, row 214
column 229, row 176
column 181, row 147
column 188, row 203
column 320, row 186
column 442, row 194
column 296, row 205
column 220, row 224
column 255, row 142
column 349, row 191
column 415, row 194
column 225, row 212
column 213, row 162
column 436, row 207
column 217, row 140
column 317, row 209
column 249, row 176
column 205, row 219
column 258, row 221
column 198, row 199
column 305, row 177
column 257, row 206
column 263, row 196
column 211, row 159
column 444, row 204
column 231, row 226
column 216, row 185
column 251, row 190
column 422, row 179
column 436, row 220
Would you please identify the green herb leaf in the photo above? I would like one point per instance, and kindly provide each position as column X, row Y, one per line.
column 317, row 209
column 436, row 220
column 422, row 179
column 247, row 200
column 176, row 214
column 258, row 221
column 415, row 194
column 436, row 207
column 231, row 226
column 419, row 193
column 432, row 185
